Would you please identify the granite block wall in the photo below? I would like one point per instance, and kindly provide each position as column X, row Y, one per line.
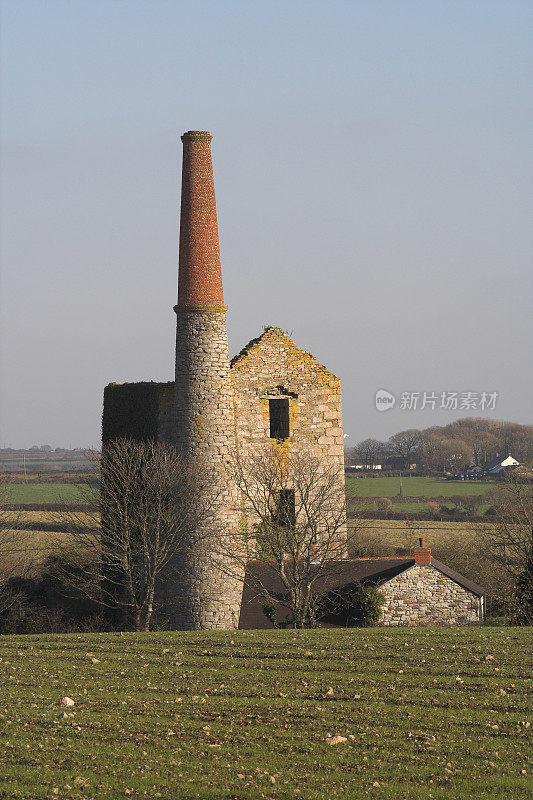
column 272, row 367
column 424, row 596
column 208, row 593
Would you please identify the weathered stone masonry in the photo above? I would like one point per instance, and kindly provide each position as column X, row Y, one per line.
column 211, row 411
column 202, row 391
column 424, row 596
column 429, row 593
column 272, row 367
column 206, row 596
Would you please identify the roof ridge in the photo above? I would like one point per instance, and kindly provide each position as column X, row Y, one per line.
column 382, row 558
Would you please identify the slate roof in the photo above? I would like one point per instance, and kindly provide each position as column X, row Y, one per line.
column 342, row 575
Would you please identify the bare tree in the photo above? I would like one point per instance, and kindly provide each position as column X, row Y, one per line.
column 294, row 523
column 406, row 444
column 511, row 539
column 368, row 452
column 149, row 501
column 444, row 455
column 485, row 448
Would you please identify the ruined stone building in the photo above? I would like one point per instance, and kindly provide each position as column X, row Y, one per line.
column 271, row 394
column 271, row 391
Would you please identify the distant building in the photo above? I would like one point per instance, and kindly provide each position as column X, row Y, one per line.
column 392, row 464
column 501, row 465
column 498, row 468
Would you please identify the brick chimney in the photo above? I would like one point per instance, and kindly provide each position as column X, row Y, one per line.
column 200, row 275
column 422, row 553
column 204, row 597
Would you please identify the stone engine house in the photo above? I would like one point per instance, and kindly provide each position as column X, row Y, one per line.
column 271, row 391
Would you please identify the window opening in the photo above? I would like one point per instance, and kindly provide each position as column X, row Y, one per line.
column 279, row 418
column 285, row 514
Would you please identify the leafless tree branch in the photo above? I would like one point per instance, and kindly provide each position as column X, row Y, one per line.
column 150, row 503
column 294, row 522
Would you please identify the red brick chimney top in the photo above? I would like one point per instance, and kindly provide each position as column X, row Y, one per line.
column 422, row 553
column 199, row 276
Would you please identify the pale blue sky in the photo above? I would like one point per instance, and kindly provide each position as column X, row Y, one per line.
column 374, row 179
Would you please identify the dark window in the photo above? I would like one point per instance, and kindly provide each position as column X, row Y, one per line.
column 279, row 418
column 285, row 513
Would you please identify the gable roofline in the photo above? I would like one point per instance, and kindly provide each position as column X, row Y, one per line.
column 273, row 331
column 377, row 570
column 466, row 583
column 262, row 575
column 450, row 573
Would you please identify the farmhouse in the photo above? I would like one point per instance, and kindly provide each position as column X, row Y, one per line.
column 418, row 591
column 498, row 468
column 501, row 465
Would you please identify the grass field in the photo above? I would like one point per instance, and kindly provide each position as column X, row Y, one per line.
column 405, row 507
column 42, row 493
column 32, row 492
column 426, row 713
column 413, row 487
column 399, row 533
column 39, row 532
column 30, row 537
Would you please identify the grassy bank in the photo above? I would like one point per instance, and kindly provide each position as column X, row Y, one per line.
column 426, row 713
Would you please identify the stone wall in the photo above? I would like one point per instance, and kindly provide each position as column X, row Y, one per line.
column 205, row 596
column 130, row 410
column 424, row 596
column 202, row 389
column 166, row 423
column 205, row 412
column 271, row 367
column 140, row 411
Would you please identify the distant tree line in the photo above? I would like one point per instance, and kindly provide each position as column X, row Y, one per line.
column 448, row 448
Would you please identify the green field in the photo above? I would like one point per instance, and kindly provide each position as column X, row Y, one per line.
column 413, row 487
column 355, row 487
column 426, row 713
column 42, row 493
